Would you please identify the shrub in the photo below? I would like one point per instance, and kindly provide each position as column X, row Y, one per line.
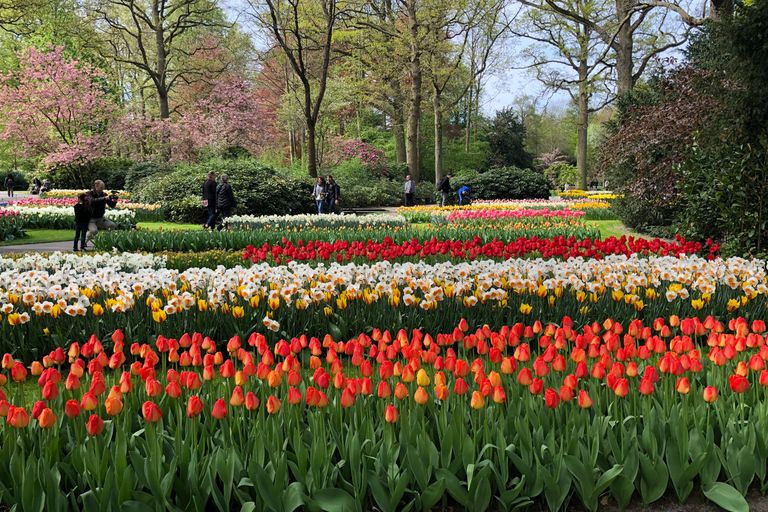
column 503, row 183
column 259, row 190
column 20, row 181
column 141, row 170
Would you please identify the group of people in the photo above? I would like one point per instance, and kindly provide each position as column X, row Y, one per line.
column 326, row 194
column 89, row 214
column 219, row 199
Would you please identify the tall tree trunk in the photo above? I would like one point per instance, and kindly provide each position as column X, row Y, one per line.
column 582, row 123
column 292, row 137
column 162, row 72
column 438, row 135
column 311, row 148
column 400, row 154
column 414, row 113
column 469, row 120
column 623, row 46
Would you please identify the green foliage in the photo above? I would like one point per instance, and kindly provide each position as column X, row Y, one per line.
column 562, row 174
column 259, row 190
column 727, row 196
column 20, row 180
column 141, row 170
column 507, row 140
column 359, row 189
column 504, row 183
column 112, row 171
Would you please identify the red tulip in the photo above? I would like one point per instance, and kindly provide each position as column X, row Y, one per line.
column 294, row 396
column 461, row 387
column 391, row 414
column 566, row 394
column 551, row 398
column 219, row 409
column 37, row 409
column 152, row 412
column 738, row 383
column 194, row 406
column 72, row 409
column 499, row 396
column 95, row 425
column 173, row 389
column 18, row 372
column 251, row 401
column 536, row 387
column 646, row 386
column 621, row 388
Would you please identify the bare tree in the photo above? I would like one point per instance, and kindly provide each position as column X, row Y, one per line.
column 154, row 37
column 303, row 30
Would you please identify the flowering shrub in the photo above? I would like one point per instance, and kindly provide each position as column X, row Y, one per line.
column 370, row 156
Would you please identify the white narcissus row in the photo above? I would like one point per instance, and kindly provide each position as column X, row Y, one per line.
column 67, row 262
column 486, row 280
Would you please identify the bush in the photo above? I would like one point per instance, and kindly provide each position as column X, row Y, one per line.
column 503, row 183
column 20, row 181
column 562, row 174
column 259, row 190
column 112, row 171
column 141, row 170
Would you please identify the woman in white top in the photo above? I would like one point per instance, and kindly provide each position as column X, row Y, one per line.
column 319, row 193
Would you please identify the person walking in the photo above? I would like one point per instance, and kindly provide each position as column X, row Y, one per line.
column 333, row 191
column 225, row 200
column 464, row 193
column 209, row 199
column 444, row 186
column 8, row 184
column 319, row 193
column 99, row 201
column 82, row 219
column 410, row 190
column 36, row 185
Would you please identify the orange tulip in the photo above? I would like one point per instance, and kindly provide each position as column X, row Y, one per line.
column 441, row 392
column 274, row 379
column 46, row 419
column 420, row 396
column 237, row 399
column 18, row 372
column 273, row 405
column 710, row 394
column 17, row 417
column 173, row 389
column 384, row 390
column 585, row 402
column 478, row 402
column 499, row 396
column 89, row 402
column 153, row 387
column 566, row 394
column 113, row 406
column 401, row 391
column 152, row 412
column 95, row 425
column 621, row 388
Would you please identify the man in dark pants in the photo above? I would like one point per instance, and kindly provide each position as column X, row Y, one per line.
column 209, row 199
column 225, row 200
column 333, row 191
column 99, row 201
column 410, row 190
column 444, row 186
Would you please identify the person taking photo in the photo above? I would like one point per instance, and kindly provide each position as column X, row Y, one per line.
column 99, row 201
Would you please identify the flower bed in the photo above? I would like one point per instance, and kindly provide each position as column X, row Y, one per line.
column 593, row 208
column 433, row 250
column 11, row 225
column 239, row 239
column 61, row 217
column 144, row 212
column 303, row 222
column 528, row 411
column 495, row 215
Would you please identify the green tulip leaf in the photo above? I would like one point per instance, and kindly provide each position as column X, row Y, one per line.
column 725, row 496
column 335, row 500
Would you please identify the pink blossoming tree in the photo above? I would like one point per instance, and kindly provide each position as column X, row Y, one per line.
column 54, row 107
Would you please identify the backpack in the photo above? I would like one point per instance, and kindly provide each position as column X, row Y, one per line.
column 441, row 183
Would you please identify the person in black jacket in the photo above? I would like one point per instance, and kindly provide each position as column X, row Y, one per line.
column 225, row 200
column 99, row 201
column 332, row 191
column 209, row 199
column 444, row 186
column 82, row 219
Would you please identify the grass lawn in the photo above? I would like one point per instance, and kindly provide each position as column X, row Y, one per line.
column 615, row 228
column 39, row 236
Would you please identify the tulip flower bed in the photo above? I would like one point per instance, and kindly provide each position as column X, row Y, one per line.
column 41, row 309
column 72, row 193
column 11, row 225
column 238, row 239
column 500, row 418
column 62, row 217
column 494, row 215
column 303, row 222
column 143, row 212
column 593, row 209
column 433, row 251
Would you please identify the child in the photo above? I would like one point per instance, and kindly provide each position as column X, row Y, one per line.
column 82, row 218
